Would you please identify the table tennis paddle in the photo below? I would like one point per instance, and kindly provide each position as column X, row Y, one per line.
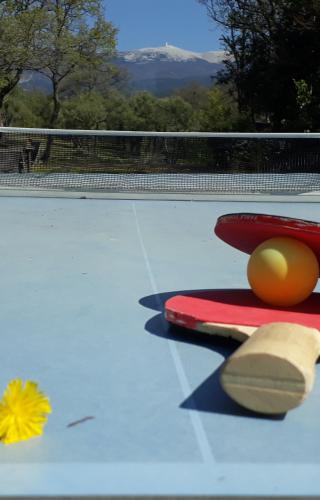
column 273, row 371
column 245, row 231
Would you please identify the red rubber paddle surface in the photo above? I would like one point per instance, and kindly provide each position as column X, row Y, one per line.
column 237, row 307
column 245, row 231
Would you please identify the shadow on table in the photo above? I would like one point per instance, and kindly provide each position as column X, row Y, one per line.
column 209, row 396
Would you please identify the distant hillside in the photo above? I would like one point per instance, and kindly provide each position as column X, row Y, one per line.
column 159, row 70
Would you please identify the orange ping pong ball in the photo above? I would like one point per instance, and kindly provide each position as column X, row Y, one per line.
column 283, row 271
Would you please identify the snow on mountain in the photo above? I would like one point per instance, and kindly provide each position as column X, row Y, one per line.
column 215, row 56
column 162, row 70
column 170, row 53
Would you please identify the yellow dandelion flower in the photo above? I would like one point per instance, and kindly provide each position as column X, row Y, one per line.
column 23, row 411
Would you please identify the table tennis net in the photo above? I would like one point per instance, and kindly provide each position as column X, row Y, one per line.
column 159, row 162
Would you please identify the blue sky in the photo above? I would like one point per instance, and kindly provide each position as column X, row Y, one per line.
column 152, row 23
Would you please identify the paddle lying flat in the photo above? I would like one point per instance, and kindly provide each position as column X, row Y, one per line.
column 273, row 371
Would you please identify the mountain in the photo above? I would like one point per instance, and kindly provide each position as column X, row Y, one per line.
column 31, row 80
column 159, row 70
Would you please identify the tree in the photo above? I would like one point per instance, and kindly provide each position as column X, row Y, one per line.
column 304, row 101
column 69, row 42
column 85, row 111
column 26, row 109
column 119, row 114
column 273, row 43
column 220, row 112
column 21, row 22
column 195, row 94
column 94, row 79
column 175, row 114
column 143, row 106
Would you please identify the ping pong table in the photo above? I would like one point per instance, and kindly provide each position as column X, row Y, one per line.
column 137, row 406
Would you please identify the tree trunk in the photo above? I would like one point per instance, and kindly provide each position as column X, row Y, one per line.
column 53, row 121
column 4, row 93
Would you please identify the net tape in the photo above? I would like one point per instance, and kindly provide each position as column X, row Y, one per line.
column 159, row 162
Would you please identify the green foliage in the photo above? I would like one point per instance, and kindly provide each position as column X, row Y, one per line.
column 216, row 111
column 275, row 47
column 144, row 111
column 26, row 109
column 118, row 112
column 194, row 94
column 85, row 111
column 304, row 99
column 87, row 79
column 175, row 115
column 161, row 114
column 57, row 39
column 304, row 93
column 69, row 42
column 20, row 24
column 272, row 77
column 219, row 112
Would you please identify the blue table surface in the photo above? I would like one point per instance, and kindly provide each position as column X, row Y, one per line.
column 83, row 284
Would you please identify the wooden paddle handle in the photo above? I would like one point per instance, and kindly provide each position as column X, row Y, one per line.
column 274, row 370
